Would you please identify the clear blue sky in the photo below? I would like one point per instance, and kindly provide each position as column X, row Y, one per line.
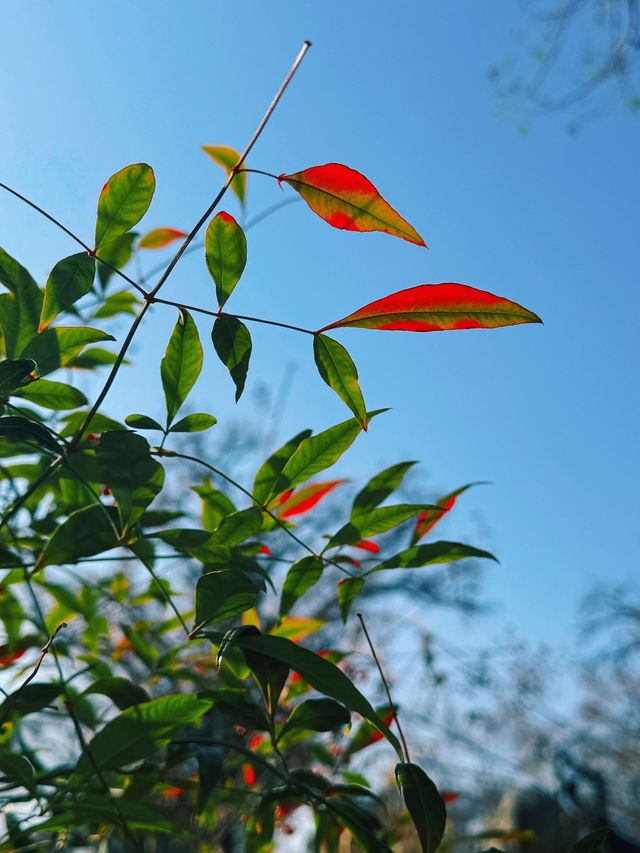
column 548, row 413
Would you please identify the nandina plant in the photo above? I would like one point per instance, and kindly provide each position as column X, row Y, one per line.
column 203, row 716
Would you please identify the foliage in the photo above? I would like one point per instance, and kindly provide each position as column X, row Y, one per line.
column 180, row 722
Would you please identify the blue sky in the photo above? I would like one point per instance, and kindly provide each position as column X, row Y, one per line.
column 548, row 413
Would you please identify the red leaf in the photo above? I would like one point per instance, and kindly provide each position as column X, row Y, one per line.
column 346, row 199
column 367, row 545
column 264, row 549
column 6, row 659
column 449, row 796
column 437, row 307
column 249, row 774
column 158, row 238
column 428, row 519
column 306, row 498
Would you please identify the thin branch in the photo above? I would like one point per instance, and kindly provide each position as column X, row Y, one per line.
column 216, row 314
column 46, row 215
column 405, row 748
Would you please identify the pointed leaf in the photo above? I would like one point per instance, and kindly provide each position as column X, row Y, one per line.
column 232, row 342
column 126, row 466
column 226, row 253
column 427, row 555
column 120, row 302
column 158, row 238
column 348, row 590
column 316, row 715
column 222, row 594
column 20, row 308
column 70, row 280
column 85, row 533
column 337, row 369
column 238, row 527
column 52, row 395
column 136, row 421
column 428, row 518
column 594, row 842
column 227, row 157
column 424, row 804
column 56, row 347
column 377, row 520
column 437, row 307
column 379, row 488
column 306, row 498
column 301, row 576
column 181, row 364
column 269, row 472
column 17, row 428
column 121, row 691
column 196, row 422
column 124, row 200
column 14, row 373
column 346, row 199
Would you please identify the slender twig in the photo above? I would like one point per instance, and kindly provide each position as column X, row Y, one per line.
column 405, row 748
column 196, row 309
column 260, row 172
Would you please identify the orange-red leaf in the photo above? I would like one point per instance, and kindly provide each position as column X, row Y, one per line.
column 306, row 498
column 158, row 238
column 367, row 545
column 7, row 657
column 437, row 307
column 346, row 199
column 428, row 519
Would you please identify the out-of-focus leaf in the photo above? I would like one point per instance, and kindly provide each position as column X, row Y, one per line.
column 56, row 347
column 85, row 533
column 336, row 367
column 296, row 628
column 232, row 342
column 196, row 422
column 348, row 590
column 437, row 307
column 594, row 842
column 120, row 302
column 14, row 373
column 346, row 199
column 181, row 364
column 428, row 518
column 269, row 472
column 215, row 504
column 317, row 715
column 424, row 804
column 121, row 691
column 435, row 552
column 52, row 395
column 124, row 200
column 29, row 699
column 116, row 253
column 158, row 238
column 227, row 157
column 226, row 253
column 128, row 469
column 69, row 280
column 92, row 358
column 301, row 576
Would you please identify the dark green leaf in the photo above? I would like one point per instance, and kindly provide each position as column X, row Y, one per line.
column 128, row 469
column 232, row 342
column 16, row 769
column 52, row 395
column 379, row 488
column 269, row 473
column 593, row 843
column 222, row 594
column 136, row 421
column 93, row 357
column 435, row 552
column 424, row 804
column 197, row 422
column 16, row 428
column 181, row 364
column 337, row 369
column 85, row 533
column 300, row 577
column 121, row 691
column 56, row 347
column 69, row 280
column 317, row 715
column 348, row 590
column 20, row 308
column 238, row 527
column 226, row 253
column 29, row 699
column 235, row 706
column 124, row 200
column 13, row 373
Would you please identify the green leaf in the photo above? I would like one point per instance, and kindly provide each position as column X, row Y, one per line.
column 29, row 699
column 424, row 804
column 20, row 308
column 13, row 373
column 215, row 504
column 116, row 253
column 124, row 200
column 435, row 552
column 322, row 675
column 196, row 422
column 227, row 157
column 317, row 715
column 269, row 473
column 16, row 769
column 238, row 527
column 270, row 674
column 136, row 421
column 121, row 691
column 300, row 577
column 85, row 533
column 375, row 521
column 226, row 253
column 222, row 594
column 339, row 372
column 181, row 364
column 126, row 466
column 140, row 730
column 120, row 302
column 348, row 590
column 56, row 347
column 232, row 342
column 318, row 452
column 379, row 488
column 70, row 280
column 594, row 842
column 16, row 428
column 92, row 358
column 52, row 395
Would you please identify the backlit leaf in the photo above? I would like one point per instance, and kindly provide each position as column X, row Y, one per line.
column 435, row 552
column 437, row 307
column 269, row 472
column 232, row 342
column 222, row 594
column 124, row 200
column 346, row 199
column 20, row 309
column 136, row 421
column 316, row 715
column 428, row 518
column 158, row 238
column 117, row 253
column 120, row 302
column 196, row 422
column 85, row 533
column 52, row 395
column 226, row 253
column 377, row 520
column 337, row 369
column 301, row 576
column 70, row 280
column 56, row 347
column 227, row 157
column 306, row 498
column 424, row 804
column 379, row 488
column 181, row 364
column 348, row 590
